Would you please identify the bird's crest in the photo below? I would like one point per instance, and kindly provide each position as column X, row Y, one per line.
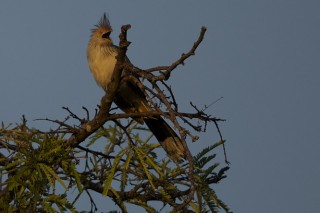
column 104, row 24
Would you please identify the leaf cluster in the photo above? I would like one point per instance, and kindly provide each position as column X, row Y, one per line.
column 32, row 164
column 40, row 172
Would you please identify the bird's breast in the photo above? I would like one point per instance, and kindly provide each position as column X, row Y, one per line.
column 102, row 64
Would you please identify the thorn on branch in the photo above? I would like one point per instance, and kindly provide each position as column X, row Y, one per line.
column 73, row 115
column 87, row 112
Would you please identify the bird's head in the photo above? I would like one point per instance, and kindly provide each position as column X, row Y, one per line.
column 101, row 34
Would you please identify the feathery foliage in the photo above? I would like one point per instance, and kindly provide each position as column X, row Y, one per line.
column 40, row 173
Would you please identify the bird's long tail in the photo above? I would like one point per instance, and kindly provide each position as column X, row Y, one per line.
column 167, row 138
column 131, row 99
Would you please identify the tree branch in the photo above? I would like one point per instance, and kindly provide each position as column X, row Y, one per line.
column 147, row 74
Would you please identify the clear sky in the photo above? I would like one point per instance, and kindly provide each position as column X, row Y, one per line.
column 263, row 57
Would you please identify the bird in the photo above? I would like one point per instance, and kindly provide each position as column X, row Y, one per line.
column 101, row 56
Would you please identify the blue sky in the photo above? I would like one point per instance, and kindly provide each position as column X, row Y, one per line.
column 261, row 56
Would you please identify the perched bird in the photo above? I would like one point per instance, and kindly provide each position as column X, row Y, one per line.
column 101, row 54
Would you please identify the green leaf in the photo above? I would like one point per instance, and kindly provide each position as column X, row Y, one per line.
column 195, row 207
column 118, row 199
column 47, row 170
column 153, row 164
column 139, row 154
column 42, row 168
column 77, row 177
column 206, row 150
column 124, row 175
column 143, row 205
column 108, row 181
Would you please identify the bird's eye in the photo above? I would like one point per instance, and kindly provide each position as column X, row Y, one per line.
column 106, row 35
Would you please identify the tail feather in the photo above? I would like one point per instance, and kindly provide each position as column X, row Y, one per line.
column 167, row 138
column 130, row 99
